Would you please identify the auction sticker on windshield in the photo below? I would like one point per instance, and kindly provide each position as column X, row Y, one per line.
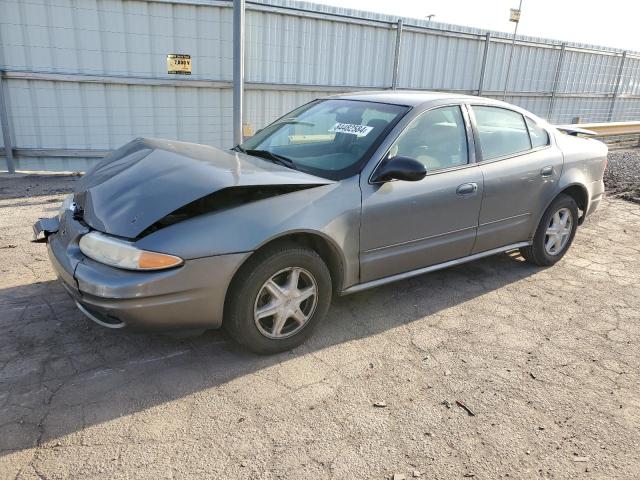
column 351, row 128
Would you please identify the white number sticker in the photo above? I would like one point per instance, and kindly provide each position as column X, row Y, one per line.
column 352, row 129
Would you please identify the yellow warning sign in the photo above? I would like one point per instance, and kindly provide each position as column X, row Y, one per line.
column 179, row 64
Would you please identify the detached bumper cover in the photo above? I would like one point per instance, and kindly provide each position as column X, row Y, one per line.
column 46, row 226
column 186, row 297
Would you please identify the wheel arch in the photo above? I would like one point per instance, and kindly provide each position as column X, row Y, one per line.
column 324, row 246
column 580, row 194
column 534, row 253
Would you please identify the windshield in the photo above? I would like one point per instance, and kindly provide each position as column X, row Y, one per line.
column 328, row 138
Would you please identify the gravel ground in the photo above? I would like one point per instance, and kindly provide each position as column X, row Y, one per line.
column 622, row 176
column 547, row 359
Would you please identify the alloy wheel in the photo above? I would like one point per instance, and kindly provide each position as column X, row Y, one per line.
column 285, row 303
column 558, row 231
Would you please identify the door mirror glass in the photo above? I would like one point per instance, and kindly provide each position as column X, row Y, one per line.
column 400, row 168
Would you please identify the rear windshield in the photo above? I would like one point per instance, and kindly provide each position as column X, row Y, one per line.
column 328, row 138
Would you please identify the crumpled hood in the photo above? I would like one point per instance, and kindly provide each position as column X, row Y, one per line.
column 147, row 179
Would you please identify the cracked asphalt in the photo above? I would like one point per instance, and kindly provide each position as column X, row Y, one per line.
column 547, row 359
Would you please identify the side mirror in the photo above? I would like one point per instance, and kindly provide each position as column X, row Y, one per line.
column 400, row 168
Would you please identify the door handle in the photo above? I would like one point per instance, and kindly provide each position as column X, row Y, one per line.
column 546, row 171
column 467, row 189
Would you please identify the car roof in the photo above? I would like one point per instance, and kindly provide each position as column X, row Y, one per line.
column 408, row 97
column 413, row 98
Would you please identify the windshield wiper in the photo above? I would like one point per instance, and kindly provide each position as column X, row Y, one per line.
column 293, row 121
column 274, row 157
column 238, row 148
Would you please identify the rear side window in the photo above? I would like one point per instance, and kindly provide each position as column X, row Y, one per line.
column 539, row 136
column 501, row 131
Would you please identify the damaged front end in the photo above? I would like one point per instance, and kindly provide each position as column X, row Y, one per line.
column 104, row 243
column 116, row 284
column 48, row 226
column 224, row 199
column 148, row 184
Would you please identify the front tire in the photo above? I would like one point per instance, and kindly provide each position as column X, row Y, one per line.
column 554, row 234
column 277, row 298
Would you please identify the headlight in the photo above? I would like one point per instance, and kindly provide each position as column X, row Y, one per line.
column 122, row 254
column 66, row 205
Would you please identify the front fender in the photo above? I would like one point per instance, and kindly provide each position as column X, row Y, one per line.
column 331, row 211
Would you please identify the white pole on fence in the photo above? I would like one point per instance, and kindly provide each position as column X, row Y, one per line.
column 6, row 134
column 238, row 69
column 396, row 55
column 513, row 44
column 556, row 81
column 617, row 87
column 485, row 55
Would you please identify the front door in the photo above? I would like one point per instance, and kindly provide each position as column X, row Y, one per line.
column 410, row 225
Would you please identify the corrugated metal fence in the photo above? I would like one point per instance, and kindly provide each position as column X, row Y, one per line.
column 82, row 77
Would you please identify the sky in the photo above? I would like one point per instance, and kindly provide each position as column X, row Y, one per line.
column 610, row 23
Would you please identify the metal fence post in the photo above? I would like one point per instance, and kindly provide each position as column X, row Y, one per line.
column 556, row 80
column 513, row 46
column 6, row 133
column 238, row 69
column 616, row 90
column 485, row 55
column 396, row 55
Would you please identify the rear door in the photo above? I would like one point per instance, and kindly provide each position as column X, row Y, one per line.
column 409, row 225
column 520, row 166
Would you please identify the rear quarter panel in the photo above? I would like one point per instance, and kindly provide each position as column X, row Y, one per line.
column 585, row 160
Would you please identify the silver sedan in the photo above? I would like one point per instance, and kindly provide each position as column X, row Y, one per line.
column 340, row 195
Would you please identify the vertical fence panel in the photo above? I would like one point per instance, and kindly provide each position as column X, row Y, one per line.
column 630, row 84
column 588, row 72
column 289, row 49
column 432, row 61
column 627, row 106
column 535, row 104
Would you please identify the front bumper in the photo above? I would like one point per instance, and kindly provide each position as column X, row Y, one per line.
column 187, row 297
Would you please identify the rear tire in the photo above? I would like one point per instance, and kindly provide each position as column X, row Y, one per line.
column 554, row 234
column 277, row 298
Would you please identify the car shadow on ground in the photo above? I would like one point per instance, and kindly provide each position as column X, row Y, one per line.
column 60, row 374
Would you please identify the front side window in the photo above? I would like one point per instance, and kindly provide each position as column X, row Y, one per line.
column 539, row 136
column 501, row 131
column 329, row 138
column 437, row 138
